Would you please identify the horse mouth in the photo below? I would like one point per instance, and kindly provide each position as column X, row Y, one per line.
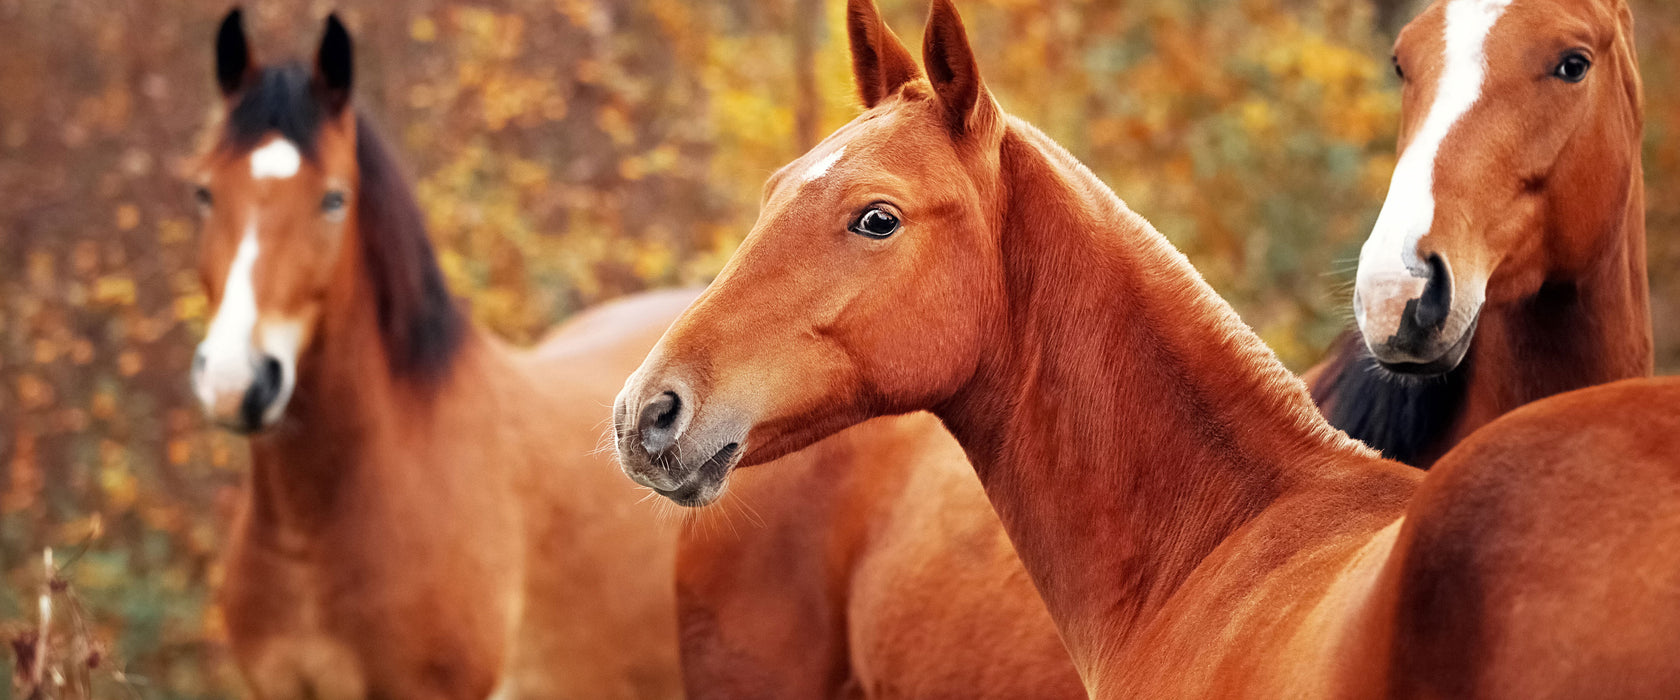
column 1446, row 362
column 706, row 483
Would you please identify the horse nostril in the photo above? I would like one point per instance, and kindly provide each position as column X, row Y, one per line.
column 1436, row 302
column 657, row 421
column 265, row 388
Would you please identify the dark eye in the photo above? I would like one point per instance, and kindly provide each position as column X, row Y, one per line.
column 1398, row 71
column 333, row 202
column 1573, row 69
column 201, row 196
column 876, row 222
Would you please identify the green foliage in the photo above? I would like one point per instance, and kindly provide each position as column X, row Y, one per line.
column 570, row 151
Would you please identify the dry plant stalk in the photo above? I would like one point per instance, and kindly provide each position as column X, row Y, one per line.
column 56, row 657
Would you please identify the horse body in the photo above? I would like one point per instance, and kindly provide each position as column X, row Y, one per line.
column 428, row 513
column 1193, row 524
column 887, row 576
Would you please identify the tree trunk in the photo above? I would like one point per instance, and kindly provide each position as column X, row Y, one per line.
column 807, row 26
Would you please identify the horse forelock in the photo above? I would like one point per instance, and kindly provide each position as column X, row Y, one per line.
column 279, row 101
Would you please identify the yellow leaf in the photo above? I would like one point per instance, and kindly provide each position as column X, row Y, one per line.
column 114, row 290
column 422, row 29
column 128, row 216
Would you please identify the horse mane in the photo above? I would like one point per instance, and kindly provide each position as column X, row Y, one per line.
column 1402, row 417
column 420, row 325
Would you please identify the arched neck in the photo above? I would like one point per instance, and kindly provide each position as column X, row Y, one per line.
column 1125, row 422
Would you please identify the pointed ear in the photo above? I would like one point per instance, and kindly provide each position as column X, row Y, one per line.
column 234, row 66
column 880, row 63
column 952, row 70
column 334, row 66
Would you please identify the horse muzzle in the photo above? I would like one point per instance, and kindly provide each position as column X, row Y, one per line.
column 244, row 394
column 1417, row 322
column 664, row 445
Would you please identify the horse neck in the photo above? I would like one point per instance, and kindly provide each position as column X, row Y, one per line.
column 1126, row 422
column 348, row 408
column 1575, row 333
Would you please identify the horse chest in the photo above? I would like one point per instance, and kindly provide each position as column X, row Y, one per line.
column 279, row 632
column 304, row 630
column 306, row 665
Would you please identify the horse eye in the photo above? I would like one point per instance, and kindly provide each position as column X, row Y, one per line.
column 201, row 196
column 1398, row 71
column 876, row 223
column 1573, row 69
column 332, row 202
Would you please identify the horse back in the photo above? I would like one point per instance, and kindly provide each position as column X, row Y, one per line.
column 1541, row 557
column 596, row 615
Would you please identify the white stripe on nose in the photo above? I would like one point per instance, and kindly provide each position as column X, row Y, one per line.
column 226, row 351
column 1389, row 259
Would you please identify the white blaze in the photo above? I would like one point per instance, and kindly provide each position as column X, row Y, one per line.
column 1391, row 252
column 278, row 159
column 821, row 167
column 226, row 350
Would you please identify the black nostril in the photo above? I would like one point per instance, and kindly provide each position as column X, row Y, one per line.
column 265, row 388
column 658, row 421
column 1436, row 302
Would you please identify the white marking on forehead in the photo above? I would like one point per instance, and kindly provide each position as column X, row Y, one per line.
column 277, row 159
column 820, row 168
column 1409, row 210
column 226, row 350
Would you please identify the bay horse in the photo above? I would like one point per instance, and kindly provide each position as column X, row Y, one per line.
column 426, row 515
column 1194, row 525
column 1508, row 262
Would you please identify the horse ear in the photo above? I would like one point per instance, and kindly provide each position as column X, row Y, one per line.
column 952, row 70
column 333, row 66
column 233, row 54
column 880, row 63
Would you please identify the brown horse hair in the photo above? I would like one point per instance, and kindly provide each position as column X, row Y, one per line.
column 420, row 325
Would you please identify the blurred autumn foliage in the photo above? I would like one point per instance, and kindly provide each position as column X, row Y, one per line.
column 569, row 151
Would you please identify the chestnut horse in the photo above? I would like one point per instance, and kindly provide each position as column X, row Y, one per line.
column 1508, row 263
column 887, row 576
column 1195, row 526
column 426, row 516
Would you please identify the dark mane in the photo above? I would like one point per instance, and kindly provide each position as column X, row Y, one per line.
column 279, row 99
column 419, row 322
column 1406, row 419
